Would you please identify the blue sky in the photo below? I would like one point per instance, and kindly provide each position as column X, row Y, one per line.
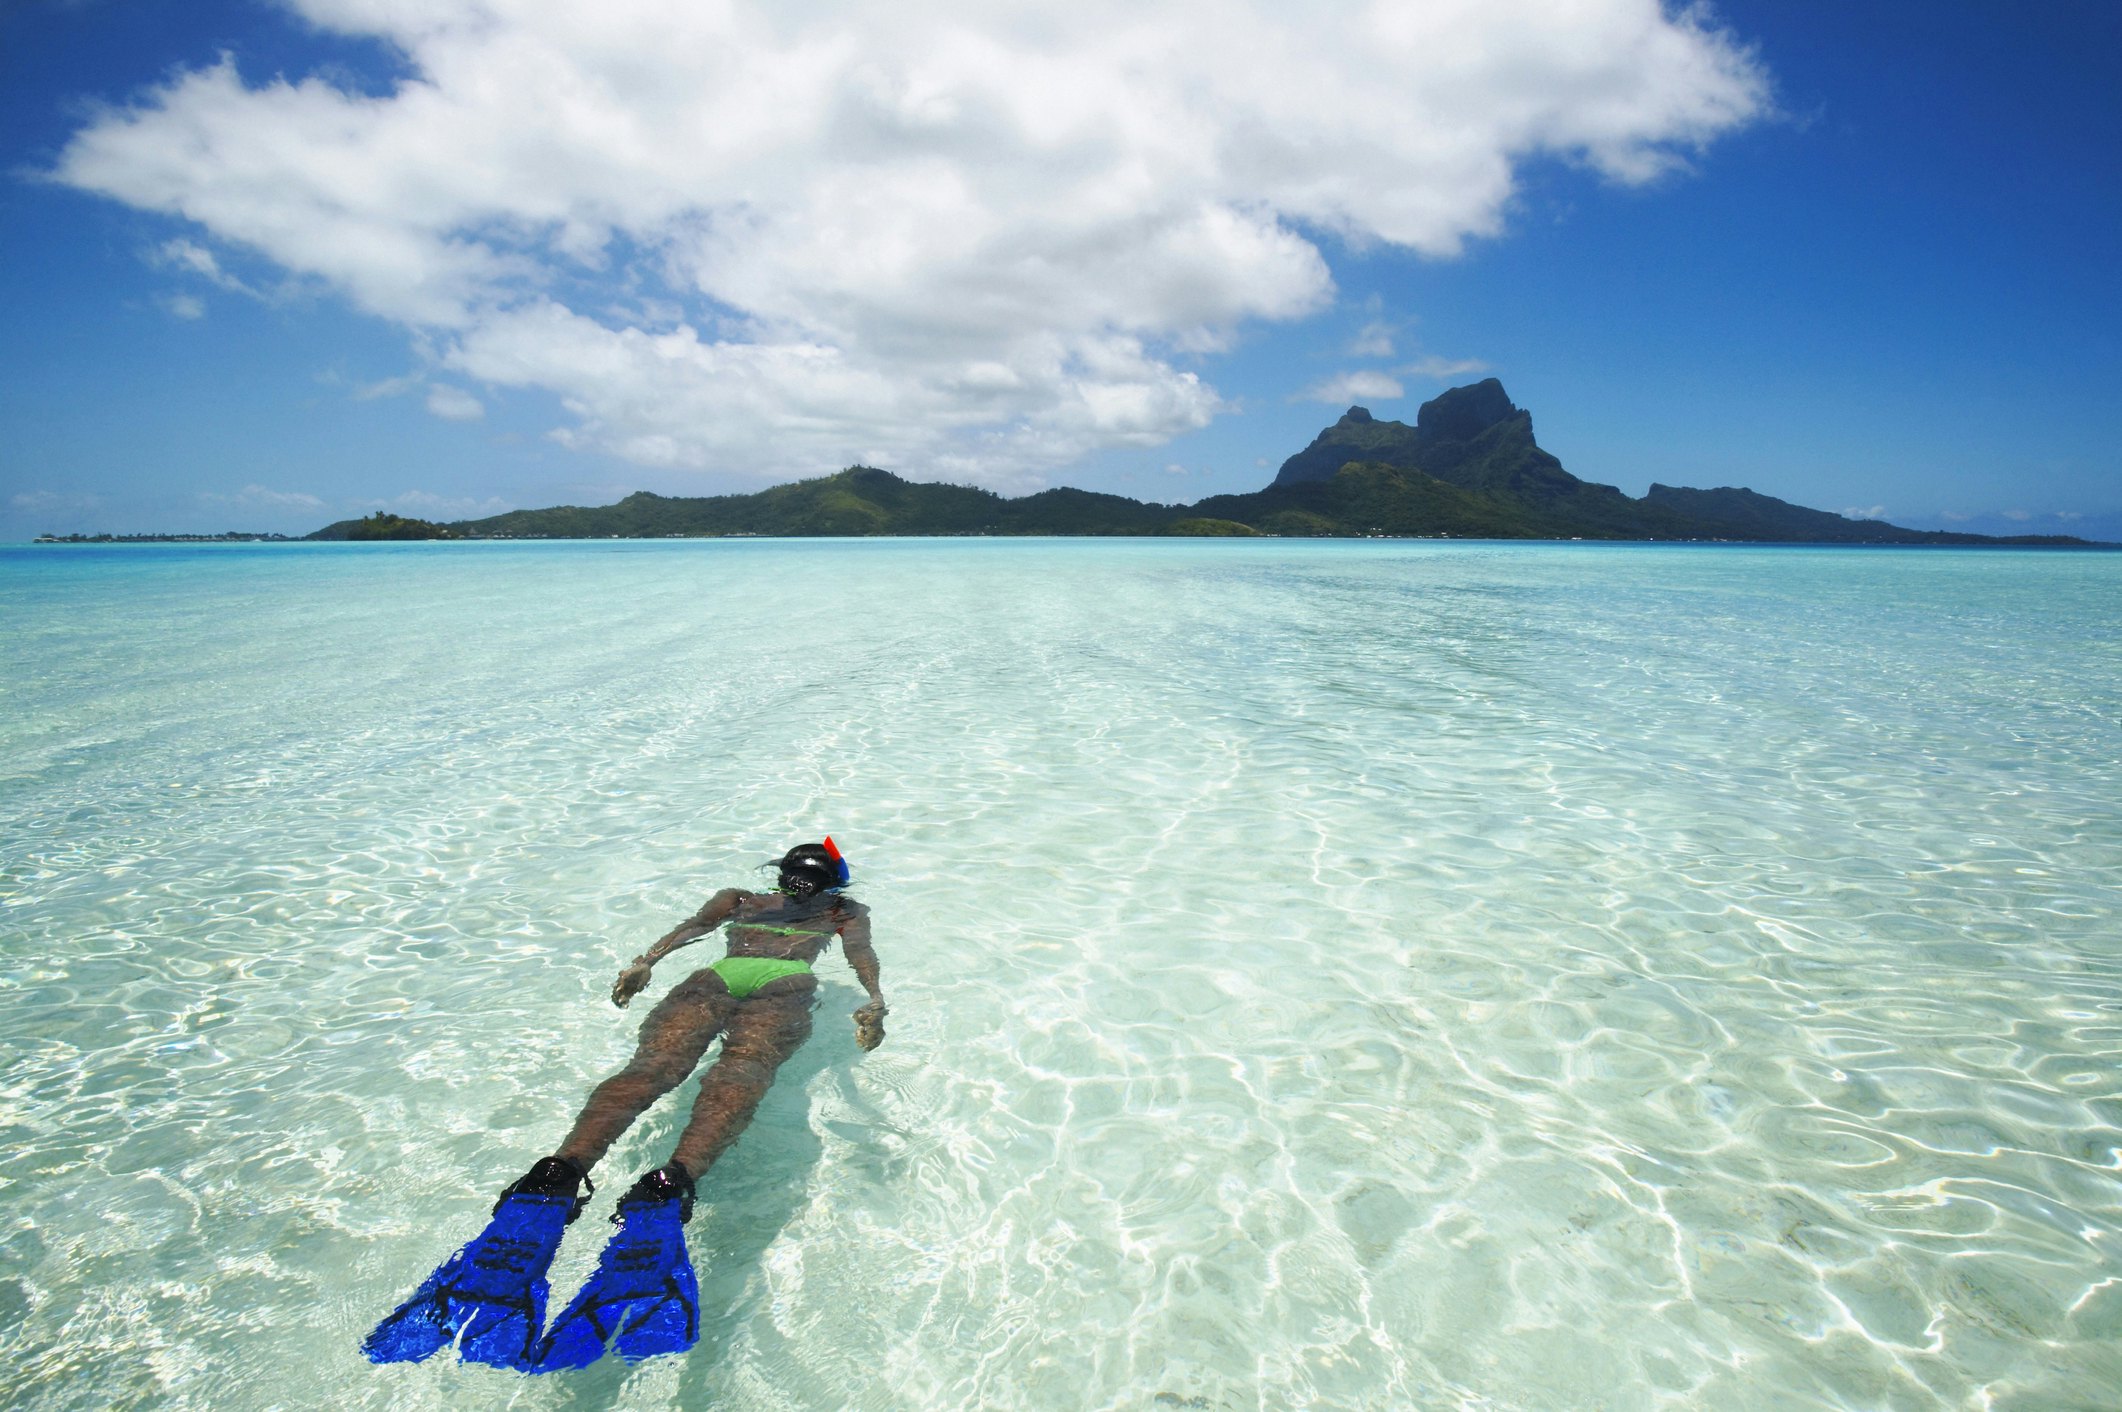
column 269, row 265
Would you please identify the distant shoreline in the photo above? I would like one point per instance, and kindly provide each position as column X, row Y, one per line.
column 2027, row 543
column 227, row 537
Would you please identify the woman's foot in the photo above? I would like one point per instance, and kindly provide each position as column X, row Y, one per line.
column 552, row 1176
column 669, row 1182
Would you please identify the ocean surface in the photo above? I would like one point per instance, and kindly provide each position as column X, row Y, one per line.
column 1324, row 975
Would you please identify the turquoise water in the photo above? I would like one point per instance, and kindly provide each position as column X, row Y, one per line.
column 1330, row 975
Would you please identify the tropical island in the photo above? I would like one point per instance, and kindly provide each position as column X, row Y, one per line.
column 1468, row 468
column 383, row 525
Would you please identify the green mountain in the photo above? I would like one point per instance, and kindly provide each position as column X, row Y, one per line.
column 1468, row 468
column 1475, row 440
column 1747, row 514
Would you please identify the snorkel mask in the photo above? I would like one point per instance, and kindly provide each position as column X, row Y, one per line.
column 811, row 868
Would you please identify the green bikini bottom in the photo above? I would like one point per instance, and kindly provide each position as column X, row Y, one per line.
column 745, row 974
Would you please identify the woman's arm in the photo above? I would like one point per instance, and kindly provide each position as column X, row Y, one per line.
column 854, row 940
column 712, row 914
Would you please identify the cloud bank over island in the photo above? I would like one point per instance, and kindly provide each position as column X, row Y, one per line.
column 976, row 241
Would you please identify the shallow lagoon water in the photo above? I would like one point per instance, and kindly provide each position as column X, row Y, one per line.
column 1331, row 975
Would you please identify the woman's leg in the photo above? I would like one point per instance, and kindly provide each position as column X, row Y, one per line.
column 673, row 1037
column 765, row 1029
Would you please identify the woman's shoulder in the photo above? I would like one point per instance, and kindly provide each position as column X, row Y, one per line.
column 728, row 900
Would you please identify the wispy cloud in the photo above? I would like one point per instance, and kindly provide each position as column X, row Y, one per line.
column 192, row 258
column 2094, row 524
column 1435, row 369
column 944, row 237
column 264, row 498
column 454, row 404
column 1373, row 340
column 388, row 387
column 428, row 505
column 52, row 501
column 1864, row 512
column 1363, row 385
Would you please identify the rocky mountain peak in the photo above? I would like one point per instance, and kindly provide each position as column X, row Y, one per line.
column 1465, row 412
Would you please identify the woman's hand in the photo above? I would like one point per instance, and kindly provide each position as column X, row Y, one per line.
column 869, row 1025
column 629, row 983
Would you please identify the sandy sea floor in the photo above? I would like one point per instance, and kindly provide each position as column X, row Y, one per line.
column 1330, row 975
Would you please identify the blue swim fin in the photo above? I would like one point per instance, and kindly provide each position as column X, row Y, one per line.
column 642, row 1298
column 489, row 1298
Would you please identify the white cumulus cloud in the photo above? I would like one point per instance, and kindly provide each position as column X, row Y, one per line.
column 966, row 239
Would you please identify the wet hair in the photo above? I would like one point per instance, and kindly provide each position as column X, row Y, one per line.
column 807, row 869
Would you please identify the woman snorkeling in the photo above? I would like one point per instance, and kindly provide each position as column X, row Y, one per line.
column 490, row 1297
